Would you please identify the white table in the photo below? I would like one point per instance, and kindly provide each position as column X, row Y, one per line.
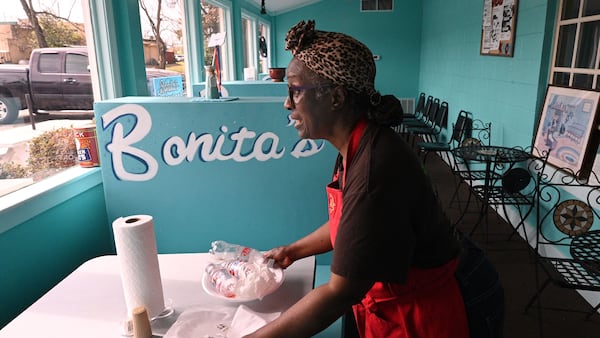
column 90, row 302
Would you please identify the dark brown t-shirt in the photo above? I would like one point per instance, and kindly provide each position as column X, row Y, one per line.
column 391, row 220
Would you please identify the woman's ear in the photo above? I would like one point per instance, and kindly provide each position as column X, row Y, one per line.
column 338, row 97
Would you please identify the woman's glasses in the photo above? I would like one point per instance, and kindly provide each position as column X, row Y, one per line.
column 294, row 91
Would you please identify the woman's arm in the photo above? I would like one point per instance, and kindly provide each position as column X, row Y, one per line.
column 317, row 310
column 315, row 243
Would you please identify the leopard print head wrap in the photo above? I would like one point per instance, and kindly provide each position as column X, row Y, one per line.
column 345, row 61
column 335, row 56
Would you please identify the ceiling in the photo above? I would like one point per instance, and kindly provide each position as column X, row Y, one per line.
column 275, row 7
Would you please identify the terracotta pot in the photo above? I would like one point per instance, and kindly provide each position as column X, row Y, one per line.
column 277, row 74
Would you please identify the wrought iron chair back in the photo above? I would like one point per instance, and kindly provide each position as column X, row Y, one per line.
column 509, row 183
column 482, row 131
column 477, row 134
column 461, row 127
column 567, row 243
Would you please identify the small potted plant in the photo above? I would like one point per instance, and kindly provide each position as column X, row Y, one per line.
column 277, row 74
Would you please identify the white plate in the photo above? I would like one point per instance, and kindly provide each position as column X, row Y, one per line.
column 208, row 287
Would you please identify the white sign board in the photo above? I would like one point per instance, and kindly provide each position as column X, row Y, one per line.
column 216, row 39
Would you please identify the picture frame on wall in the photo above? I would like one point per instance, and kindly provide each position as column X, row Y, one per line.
column 498, row 27
column 568, row 128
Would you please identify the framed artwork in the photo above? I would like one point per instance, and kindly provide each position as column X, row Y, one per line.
column 568, row 127
column 498, row 27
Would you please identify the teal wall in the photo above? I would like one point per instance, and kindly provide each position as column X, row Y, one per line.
column 247, row 88
column 38, row 253
column 505, row 91
column 432, row 46
column 395, row 36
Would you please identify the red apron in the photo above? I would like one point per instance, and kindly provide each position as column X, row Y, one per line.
column 428, row 305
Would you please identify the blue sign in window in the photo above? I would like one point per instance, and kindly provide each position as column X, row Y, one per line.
column 166, row 86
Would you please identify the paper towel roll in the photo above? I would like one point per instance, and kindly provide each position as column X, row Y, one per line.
column 138, row 262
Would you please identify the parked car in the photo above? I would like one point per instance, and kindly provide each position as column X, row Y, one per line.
column 55, row 79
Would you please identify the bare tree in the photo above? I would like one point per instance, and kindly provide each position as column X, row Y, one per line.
column 35, row 25
column 155, row 23
column 50, row 29
column 210, row 25
column 61, row 33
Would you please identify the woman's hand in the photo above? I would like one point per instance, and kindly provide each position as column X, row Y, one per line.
column 314, row 243
column 282, row 256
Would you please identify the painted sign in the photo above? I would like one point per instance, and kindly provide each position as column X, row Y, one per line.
column 238, row 145
column 166, row 86
column 233, row 170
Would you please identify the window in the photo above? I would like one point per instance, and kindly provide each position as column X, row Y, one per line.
column 28, row 155
column 49, row 63
column 216, row 18
column 160, row 24
column 576, row 59
column 255, row 40
column 77, row 64
column 264, row 47
column 248, row 47
column 376, row 5
column 576, row 56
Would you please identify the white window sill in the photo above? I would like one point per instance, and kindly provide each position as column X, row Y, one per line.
column 28, row 202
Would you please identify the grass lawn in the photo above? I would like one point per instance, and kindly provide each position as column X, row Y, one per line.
column 176, row 67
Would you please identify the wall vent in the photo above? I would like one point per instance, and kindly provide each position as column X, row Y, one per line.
column 408, row 105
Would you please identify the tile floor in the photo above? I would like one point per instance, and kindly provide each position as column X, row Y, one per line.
column 513, row 260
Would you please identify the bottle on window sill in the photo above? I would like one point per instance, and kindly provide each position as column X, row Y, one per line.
column 210, row 87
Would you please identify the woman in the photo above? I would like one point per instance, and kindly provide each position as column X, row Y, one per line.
column 394, row 252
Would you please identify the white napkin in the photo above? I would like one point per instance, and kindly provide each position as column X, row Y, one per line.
column 201, row 322
column 246, row 321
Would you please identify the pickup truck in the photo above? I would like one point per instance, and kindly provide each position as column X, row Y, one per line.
column 55, row 79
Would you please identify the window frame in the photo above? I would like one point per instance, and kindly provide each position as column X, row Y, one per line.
column 249, row 48
column 36, row 191
column 267, row 37
column 572, row 70
column 108, row 88
column 256, row 60
column 227, row 56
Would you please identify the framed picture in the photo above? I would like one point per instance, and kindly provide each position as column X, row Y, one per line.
column 568, row 127
column 498, row 27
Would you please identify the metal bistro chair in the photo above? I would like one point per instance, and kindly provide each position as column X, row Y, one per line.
column 460, row 130
column 465, row 172
column 567, row 242
column 510, row 182
column 431, row 132
column 419, row 121
column 428, row 123
column 480, row 135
